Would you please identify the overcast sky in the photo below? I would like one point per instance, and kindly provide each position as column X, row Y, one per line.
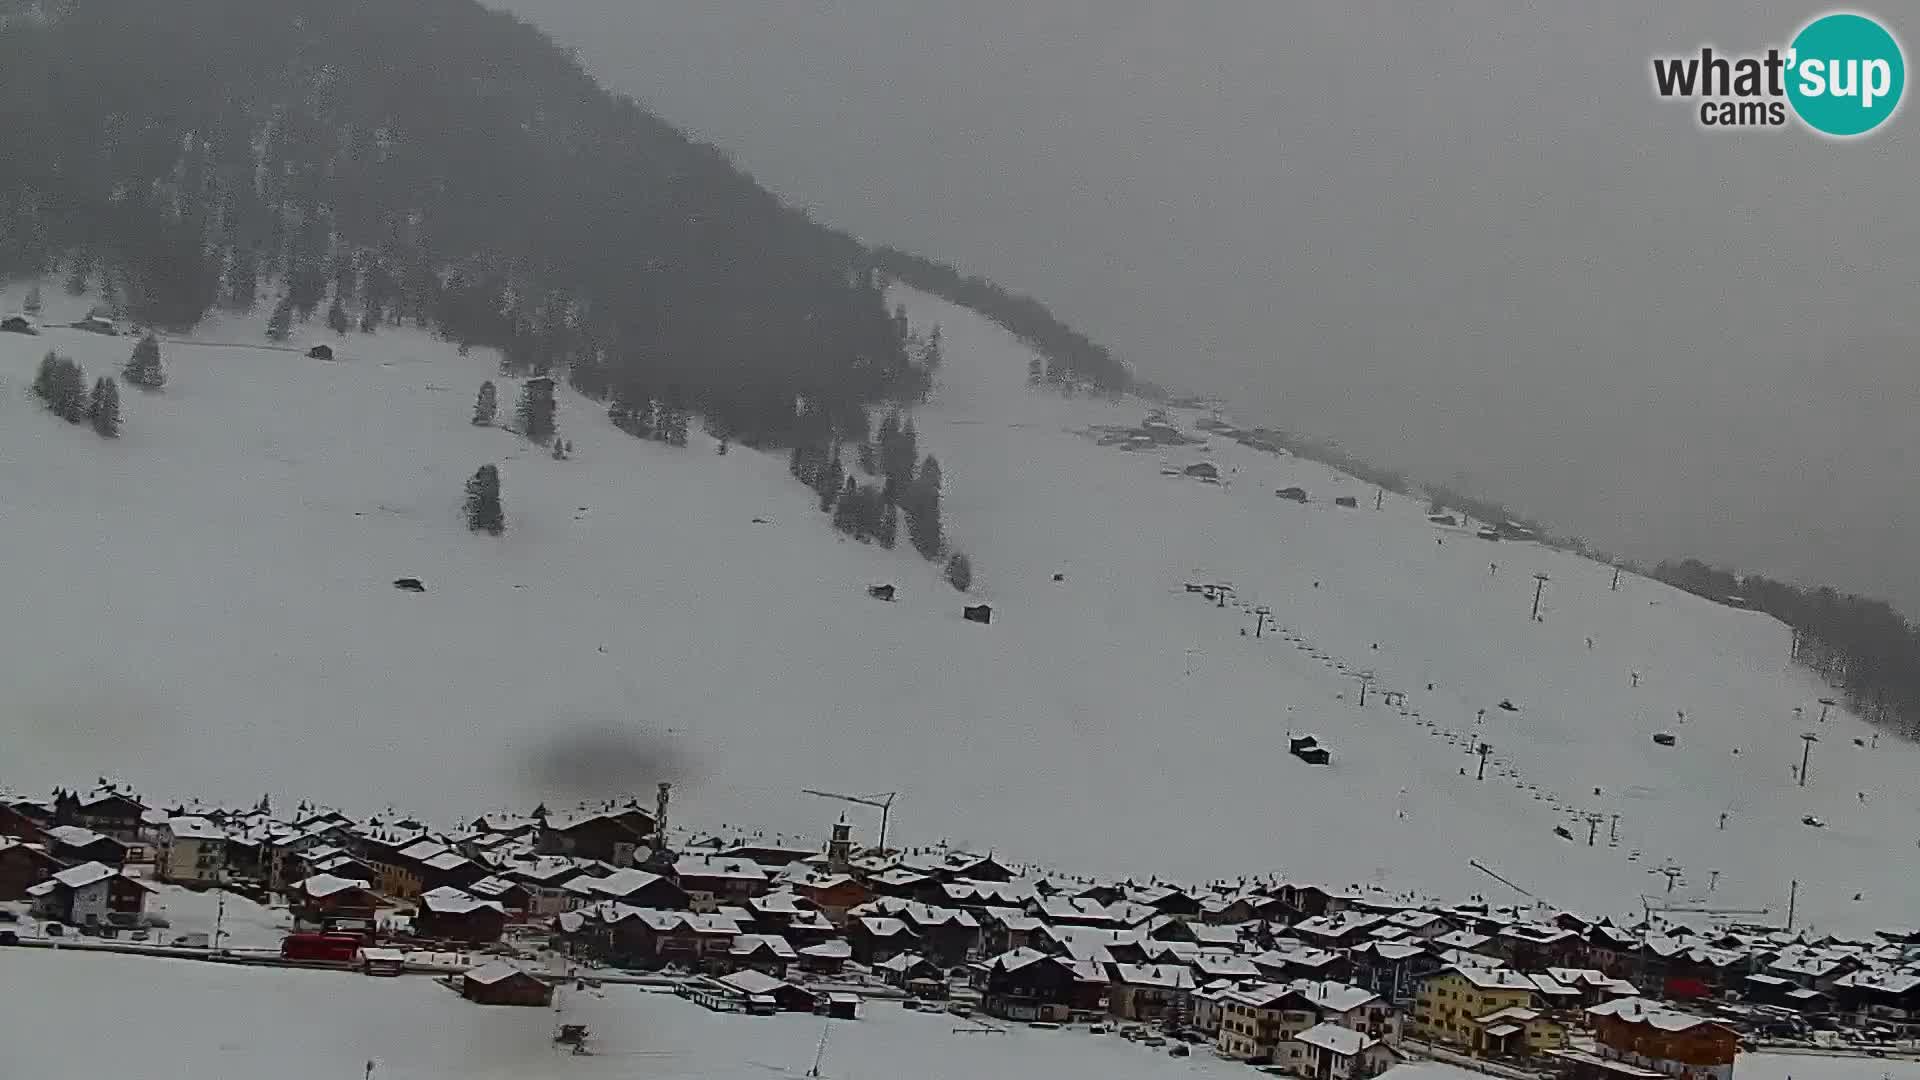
column 1463, row 239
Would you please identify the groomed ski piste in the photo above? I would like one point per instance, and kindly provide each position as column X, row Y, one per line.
column 204, row 607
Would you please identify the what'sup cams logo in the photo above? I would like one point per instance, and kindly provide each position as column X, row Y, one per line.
column 1842, row 75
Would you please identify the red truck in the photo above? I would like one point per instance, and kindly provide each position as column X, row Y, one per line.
column 336, row 948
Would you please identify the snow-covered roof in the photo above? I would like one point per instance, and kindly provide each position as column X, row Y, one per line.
column 881, row 926
column 195, row 828
column 836, row 949
column 73, row 836
column 622, row 882
column 1494, row 978
column 77, row 877
column 719, row 866
column 753, row 983
column 1642, row 1011
column 1016, row 959
column 901, row 962
column 323, row 885
column 497, row 971
column 1337, row 1039
column 1162, row 976
column 459, row 905
column 747, row 944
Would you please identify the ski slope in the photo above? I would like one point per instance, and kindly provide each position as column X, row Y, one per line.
column 204, row 608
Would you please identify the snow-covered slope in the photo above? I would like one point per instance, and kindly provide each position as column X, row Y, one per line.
column 204, row 606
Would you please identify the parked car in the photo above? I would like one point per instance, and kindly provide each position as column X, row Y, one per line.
column 54, row 929
column 191, row 941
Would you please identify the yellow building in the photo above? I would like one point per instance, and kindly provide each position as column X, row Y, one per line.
column 1450, row 1003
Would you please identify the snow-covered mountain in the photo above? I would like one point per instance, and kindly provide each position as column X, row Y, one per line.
column 205, row 607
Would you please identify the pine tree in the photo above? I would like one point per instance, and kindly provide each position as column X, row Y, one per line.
column 69, row 392
column 486, row 405
column 61, row 385
column 887, row 530
column 280, row 323
column 960, row 572
column 559, row 449
column 45, row 377
column 103, row 408
column 932, row 356
column 337, row 316
column 483, row 502
column 32, row 304
column 243, row 280
column 828, row 479
column 77, row 278
column 923, row 510
column 536, row 409
column 143, row 367
column 1033, row 371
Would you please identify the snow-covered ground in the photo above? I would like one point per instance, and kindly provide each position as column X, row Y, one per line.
column 183, row 1019
column 198, row 1021
column 204, row 607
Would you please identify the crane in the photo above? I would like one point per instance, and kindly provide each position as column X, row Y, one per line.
column 883, row 801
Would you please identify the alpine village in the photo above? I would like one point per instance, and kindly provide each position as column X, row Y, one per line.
column 1293, row 978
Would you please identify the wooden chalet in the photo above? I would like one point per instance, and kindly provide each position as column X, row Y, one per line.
column 501, row 983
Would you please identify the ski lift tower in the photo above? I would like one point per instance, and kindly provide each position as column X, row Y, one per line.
column 882, row 801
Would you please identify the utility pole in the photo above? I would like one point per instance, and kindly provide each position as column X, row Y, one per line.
column 219, row 910
column 1672, row 873
column 1807, row 738
column 1483, row 750
column 1539, row 585
column 883, row 801
column 1613, row 830
column 1793, row 900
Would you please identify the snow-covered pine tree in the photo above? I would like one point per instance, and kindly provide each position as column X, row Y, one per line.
column 483, row 502
column 922, row 504
column 103, row 408
column 337, row 316
column 143, row 367
column 280, row 323
column 486, row 404
column 960, row 572
column 63, row 387
column 45, row 377
column 536, row 409
column 32, row 304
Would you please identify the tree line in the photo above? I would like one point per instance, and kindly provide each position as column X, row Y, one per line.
column 903, row 485
column 1860, row 646
column 317, row 156
column 1068, row 353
